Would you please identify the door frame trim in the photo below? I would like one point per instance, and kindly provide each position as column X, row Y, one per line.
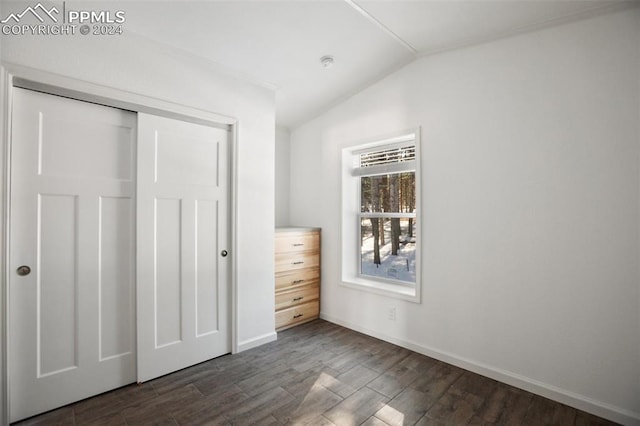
column 11, row 76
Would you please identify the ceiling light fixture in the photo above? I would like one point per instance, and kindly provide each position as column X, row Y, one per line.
column 327, row 61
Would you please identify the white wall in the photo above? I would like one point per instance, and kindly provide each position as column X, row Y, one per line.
column 283, row 174
column 530, row 210
column 134, row 64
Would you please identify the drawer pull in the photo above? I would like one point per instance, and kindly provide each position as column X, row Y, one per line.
column 297, row 281
column 299, row 262
column 298, row 244
column 297, row 316
column 296, row 299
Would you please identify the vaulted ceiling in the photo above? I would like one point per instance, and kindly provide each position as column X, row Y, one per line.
column 278, row 44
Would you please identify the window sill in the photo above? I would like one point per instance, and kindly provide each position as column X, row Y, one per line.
column 391, row 290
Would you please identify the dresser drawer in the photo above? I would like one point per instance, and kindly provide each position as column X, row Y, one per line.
column 297, row 278
column 289, row 261
column 297, row 314
column 296, row 242
column 298, row 296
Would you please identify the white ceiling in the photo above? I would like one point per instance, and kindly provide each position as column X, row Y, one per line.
column 278, row 44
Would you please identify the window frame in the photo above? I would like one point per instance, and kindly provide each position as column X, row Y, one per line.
column 352, row 216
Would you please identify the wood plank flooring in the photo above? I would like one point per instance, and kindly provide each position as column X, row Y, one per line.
column 319, row 374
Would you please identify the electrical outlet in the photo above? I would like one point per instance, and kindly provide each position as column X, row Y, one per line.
column 392, row 314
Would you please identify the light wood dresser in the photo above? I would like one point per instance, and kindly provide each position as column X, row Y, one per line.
column 297, row 267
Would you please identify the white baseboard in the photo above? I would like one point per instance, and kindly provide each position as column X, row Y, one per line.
column 257, row 341
column 581, row 402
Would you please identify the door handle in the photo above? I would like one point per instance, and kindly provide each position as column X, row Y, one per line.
column 23, row 270
column 224, row 253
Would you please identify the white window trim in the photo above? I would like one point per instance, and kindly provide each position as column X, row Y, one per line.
column 350, row 255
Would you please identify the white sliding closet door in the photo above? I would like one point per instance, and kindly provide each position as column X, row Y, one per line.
column 71, row 281
column 183, row 235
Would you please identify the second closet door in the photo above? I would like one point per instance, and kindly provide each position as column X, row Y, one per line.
column 183, row 235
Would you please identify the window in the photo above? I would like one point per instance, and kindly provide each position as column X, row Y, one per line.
column 380, row 208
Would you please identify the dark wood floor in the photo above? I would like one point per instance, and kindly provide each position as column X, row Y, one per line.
column 320, row 374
